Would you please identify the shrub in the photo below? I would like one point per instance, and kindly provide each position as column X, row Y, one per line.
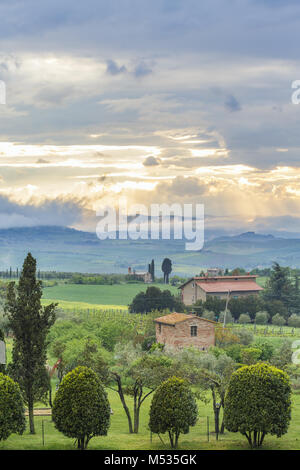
column 283, row 355
column 258, row 402
column 244, row 318
column 229, row 317
column 278, row 320
column 294, row 320
column 261, row 318
column 267, row 349
column 209, row 315
column 12, row 413
column 148, row 342
column 244, row 335
column 250, row 355
column 224, row 337
column 81, row 409
column 216, row 351
column 173, row 409
column 235, row 352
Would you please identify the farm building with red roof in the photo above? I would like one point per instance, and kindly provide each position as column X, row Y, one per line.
column 200, row 288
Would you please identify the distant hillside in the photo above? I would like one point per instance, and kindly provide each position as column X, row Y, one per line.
column 64, row 249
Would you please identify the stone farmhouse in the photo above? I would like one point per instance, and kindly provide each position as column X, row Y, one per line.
column 200, row 288
column 142, row 275
column 179, row 330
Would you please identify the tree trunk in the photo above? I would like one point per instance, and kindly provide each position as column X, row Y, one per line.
column 50, row 396
column 137, row 406
column 222, row 430
column 171, row 439
column 248, row 436
column 80, row 443
column 135, row 413
column 122, row 398
column 30, row 415
column 216, row 411
column 136, row 421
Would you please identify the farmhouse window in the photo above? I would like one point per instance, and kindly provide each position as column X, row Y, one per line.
column 193, row 330
column 159, row 327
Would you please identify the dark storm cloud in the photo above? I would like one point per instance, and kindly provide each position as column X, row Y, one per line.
column 60, row 211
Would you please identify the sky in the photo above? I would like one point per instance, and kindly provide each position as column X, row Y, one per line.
column 168, row 101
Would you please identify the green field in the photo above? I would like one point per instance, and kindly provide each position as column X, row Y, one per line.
column 117, row 294
column 118, row 437
column 97, row 296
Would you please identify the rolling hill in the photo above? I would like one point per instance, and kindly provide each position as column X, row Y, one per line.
column 65, row 249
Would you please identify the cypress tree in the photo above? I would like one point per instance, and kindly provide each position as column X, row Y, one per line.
column 2, row 366
column 29, row 323
column 152, row 270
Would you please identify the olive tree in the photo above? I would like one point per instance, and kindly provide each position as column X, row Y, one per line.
column 81, row 409
column 173, row 409
column 244, row 318
column 12, row 412
column 137, row 374
column 208, row 373
column 258, row 402
column 261, row 318
column 278, row 320
column 294, row 320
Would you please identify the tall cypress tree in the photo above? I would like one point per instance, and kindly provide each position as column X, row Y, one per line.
column 29, row 323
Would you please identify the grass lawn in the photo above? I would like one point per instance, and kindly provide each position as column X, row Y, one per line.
column 117, row 294
column 118, row 437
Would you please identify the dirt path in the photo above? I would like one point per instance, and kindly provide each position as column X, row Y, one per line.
column 40, row 412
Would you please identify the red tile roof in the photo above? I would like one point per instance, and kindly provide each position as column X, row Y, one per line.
column 234, row 286
column 174, row 318
column 212, row 278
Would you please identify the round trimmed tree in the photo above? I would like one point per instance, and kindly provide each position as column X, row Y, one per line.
column 173, row 409
column 81, row 408
column 258, row 402
column 12, row 412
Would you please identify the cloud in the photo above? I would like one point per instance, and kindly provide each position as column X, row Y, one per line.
column 151, row 161
column 142, row 69
column 177, row 78
column 59, row 211
column 114, row 69
column 232, row 104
